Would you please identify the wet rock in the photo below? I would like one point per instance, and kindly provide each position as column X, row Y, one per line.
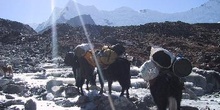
column 49, row 96
column 65, row 103
column 40, row 76
column 37, row 90
column 4, row 82
column 71, row 91
column 9, row 97
column 197, row 80
column 143, row 103
column 190, row 94
column 7, row 103
column 212, row 79
column 198, row 91
column 82, row 100
column 138, row 84
column 30, row 105
column 185, row 96
column 120, row 103
column 50, row 84
column 58, row 90
column 134, row 71
column 188, row 108
column 13, row 89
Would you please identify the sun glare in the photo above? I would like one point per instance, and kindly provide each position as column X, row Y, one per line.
column 93, row 52
column 54, row 32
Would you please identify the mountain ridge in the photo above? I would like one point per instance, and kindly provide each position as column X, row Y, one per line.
column 125, row 16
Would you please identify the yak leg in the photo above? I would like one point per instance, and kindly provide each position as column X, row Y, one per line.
column 80, row 85
column 79, row 82
column 122, row 92
column 101, row 83
column 87, row 84
column 74, row 72
column 124, row 86
column 110, row 87
column 80, row 90
column 172, row 103
column 127, row 93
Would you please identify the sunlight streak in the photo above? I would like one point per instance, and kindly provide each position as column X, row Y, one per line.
column 93, row 52
column 54, row 32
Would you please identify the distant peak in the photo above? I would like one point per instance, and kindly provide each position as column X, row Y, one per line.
column 124, row 8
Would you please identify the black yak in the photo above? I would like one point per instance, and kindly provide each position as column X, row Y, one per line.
column 166, row 90
column 82, row 70
column 119, row 71
column 163, row 71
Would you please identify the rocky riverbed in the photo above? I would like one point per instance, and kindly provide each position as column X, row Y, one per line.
column 54, row 89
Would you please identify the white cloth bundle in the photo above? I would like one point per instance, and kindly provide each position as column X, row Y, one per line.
column 163, row 62
column 149, row 70
column 81, row 49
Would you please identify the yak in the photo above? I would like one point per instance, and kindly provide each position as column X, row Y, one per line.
column 166, row 90
column 119, row 71
column 82, row 70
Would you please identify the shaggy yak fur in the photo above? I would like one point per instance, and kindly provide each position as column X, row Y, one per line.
column 71, row 60
column 82, row 70
column 117, row 71
column 166, row 90
column 6, row 69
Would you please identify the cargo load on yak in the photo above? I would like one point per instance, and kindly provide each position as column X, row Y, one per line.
column 118, row 48
column 106, row 56
column 89, row 57
column 181, row 67
column 149, row 70
column 109, row 54
column 161, row 58
column 80, row 50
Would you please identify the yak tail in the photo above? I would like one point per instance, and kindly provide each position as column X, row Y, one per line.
column 172, row 103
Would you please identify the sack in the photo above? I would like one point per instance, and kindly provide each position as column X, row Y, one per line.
column 149, row 70
column 89, row 57
column 107, row 56
column 81, row 49
column 162, row 57
column 181, row 67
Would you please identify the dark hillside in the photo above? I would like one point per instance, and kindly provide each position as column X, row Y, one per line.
column 11, row 30
column 198, row 42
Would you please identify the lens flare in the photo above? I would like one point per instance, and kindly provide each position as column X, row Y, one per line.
column 54, row 33
column 93, row 52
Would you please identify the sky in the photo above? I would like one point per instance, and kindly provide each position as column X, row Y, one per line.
column 38, row 11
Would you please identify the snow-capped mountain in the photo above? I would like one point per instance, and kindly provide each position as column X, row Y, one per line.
column 206, row 13
column 76, row 20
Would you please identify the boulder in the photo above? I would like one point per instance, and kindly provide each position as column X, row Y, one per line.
column 212, row 79
column 13, row 89
column 50, row 84
column 4, row 82
column 71, row 91
column 197, row 80
column 65, row 103
column 30, row 105
column 120, row 103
